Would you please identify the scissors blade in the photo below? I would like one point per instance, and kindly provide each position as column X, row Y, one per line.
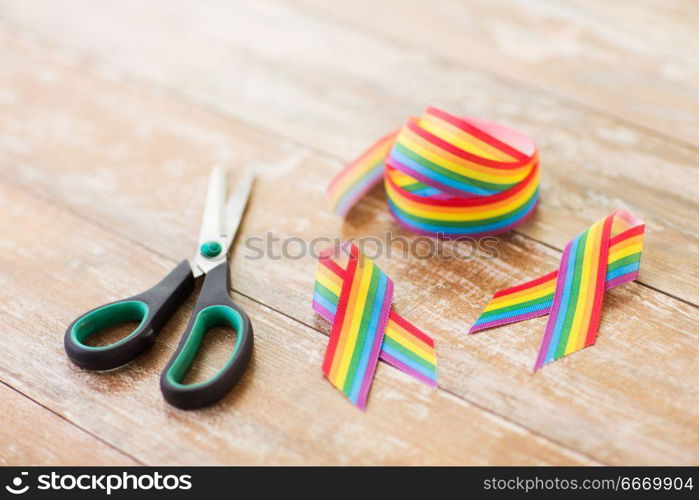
column 212, row 231
column 220, row 223
column 235, row 208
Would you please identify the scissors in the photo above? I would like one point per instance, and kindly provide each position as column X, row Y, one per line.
column 155, row 306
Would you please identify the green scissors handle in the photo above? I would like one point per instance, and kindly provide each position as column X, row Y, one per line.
column 213, row 308
column 151, row 309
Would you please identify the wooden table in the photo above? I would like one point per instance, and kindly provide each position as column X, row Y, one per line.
column 112, row 114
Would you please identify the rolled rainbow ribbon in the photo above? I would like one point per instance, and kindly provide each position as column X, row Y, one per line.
column 447, row 176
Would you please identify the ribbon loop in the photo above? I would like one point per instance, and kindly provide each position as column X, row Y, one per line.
column 447, row 176
column 356, row 298
column 605, row 255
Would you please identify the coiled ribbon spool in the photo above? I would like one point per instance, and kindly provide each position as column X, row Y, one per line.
column 447, row 176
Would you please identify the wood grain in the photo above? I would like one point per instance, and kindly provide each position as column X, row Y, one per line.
column 268, row 63
column 282, row 412
column 134, row 163
column 32, row 435
column 635, row 60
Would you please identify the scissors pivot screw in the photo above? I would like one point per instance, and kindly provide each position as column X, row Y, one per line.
column 211, row 249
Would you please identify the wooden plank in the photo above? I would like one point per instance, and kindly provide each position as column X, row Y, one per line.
column 267, row 64
column 635, row 60
column 32, row 435
column 282, row 412
column 136, row 164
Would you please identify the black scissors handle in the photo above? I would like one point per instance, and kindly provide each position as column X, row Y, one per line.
column 214, row 307
column 151, row 309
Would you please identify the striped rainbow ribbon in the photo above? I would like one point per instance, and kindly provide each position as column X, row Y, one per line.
column 605, row 255
column 447, row 176
column 356, row 299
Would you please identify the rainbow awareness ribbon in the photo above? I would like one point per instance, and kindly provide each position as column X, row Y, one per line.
column 447, row 176
column 356, row 299
column 605, row 255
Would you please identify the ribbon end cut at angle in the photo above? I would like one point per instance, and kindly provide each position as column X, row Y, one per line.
column 447, row 176
column 356, row 298
column 605, row 255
